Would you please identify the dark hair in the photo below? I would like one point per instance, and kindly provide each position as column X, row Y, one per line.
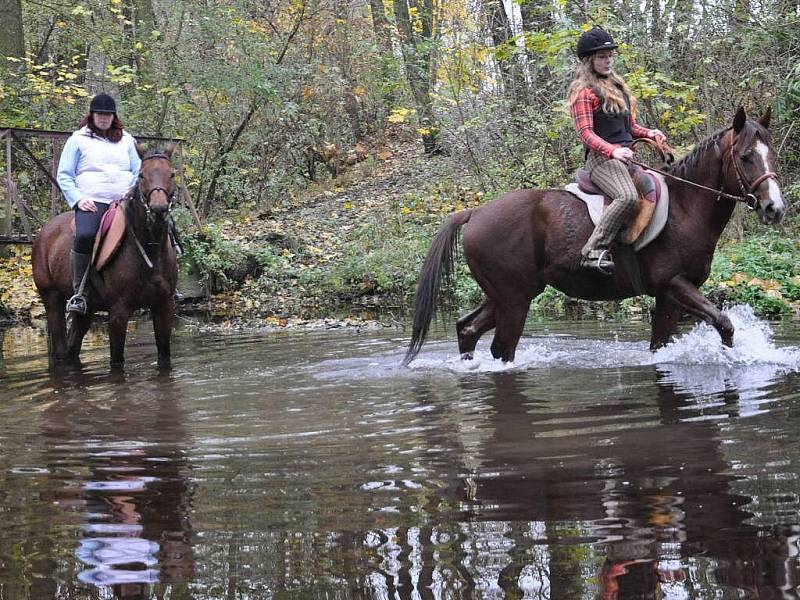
column 112, row 134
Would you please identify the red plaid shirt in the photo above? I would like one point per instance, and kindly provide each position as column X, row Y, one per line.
column 583, row 109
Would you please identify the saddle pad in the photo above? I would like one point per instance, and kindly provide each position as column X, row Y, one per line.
column 109, row 236
column 595, row 205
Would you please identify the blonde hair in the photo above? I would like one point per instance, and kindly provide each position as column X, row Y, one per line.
column 611, row 89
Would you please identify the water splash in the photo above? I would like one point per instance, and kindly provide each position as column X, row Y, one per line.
column 752, row 341
column 690, row 359
column 698, row 364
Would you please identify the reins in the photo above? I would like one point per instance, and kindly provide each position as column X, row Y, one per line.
column 748, row 198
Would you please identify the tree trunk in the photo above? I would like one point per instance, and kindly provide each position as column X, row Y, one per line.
column 142, row 18
column 537, row 18
column 383, row 35
column 12, row 42
column 505, row 50
column 344, row 53
column 417, row 57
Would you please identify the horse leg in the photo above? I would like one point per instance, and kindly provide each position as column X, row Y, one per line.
column 510, row 320
column 162, row 328
column 686, row 296
column 665, row 321
column 56, row 326
column 77, row 327
column 117, row 330
column 472, row 326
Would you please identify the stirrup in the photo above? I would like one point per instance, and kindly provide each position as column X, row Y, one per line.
column 600, row 260
column 77, row 304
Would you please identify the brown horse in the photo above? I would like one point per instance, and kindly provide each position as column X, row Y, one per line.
column 142, row 273
column 528, row 239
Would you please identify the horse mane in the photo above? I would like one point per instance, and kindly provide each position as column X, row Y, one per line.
column 694, row 160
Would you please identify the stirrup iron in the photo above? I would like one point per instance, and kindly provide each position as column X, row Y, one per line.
column 599, row 260
column 77, row 304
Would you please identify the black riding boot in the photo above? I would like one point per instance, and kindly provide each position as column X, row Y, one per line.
column 79, row 264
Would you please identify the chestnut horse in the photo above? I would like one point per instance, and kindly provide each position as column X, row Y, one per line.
column 142, row 273
column 525, row 240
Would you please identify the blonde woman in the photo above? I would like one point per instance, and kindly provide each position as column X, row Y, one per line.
column 603, row 110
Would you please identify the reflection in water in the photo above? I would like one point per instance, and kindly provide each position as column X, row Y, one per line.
column 313, row 466
column 132, row 492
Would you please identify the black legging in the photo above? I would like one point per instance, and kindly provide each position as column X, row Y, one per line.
column 86, row 226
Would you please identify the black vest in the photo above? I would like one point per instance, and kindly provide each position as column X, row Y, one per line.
column 613, row 128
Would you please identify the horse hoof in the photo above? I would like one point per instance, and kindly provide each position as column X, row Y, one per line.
column 467, row 356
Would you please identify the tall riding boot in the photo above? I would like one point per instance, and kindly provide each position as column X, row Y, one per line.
column 79, row 263
column 596, row 252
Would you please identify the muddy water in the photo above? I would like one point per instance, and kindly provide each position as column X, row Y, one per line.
column 309, row 465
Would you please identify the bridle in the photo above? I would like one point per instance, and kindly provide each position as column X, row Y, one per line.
column 747, row 187
column 747, row 196
column 145, row 198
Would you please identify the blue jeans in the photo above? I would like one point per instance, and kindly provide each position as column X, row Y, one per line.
column 86, row 226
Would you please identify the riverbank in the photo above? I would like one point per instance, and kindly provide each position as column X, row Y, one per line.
column 346, row 252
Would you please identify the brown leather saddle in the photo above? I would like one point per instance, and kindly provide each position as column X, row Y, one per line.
column 649, row 189
column 109, row 236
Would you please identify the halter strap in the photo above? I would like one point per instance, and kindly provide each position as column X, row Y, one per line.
column 145, row 198
column 748, row 188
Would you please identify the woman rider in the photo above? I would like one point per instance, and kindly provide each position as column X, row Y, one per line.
column 98, row 165
column 603, row 110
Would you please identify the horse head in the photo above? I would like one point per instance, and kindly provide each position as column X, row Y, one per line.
column 749, row 167
column 156, row 186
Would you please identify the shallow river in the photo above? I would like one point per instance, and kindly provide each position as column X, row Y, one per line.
column 310, row 465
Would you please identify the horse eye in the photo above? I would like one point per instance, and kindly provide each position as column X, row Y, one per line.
column 747, row 158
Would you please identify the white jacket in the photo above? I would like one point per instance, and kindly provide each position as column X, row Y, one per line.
column 94, row 167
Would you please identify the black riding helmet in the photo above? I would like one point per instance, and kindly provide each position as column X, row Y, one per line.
column 103, row 103
column 594, row 40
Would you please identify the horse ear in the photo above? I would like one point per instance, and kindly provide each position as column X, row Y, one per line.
column 766, row 118
column 739, row 120
column 140, row 150
column 169, row 149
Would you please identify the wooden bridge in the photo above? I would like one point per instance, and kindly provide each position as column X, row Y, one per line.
column 21, row 219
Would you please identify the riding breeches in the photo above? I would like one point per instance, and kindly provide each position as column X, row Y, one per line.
column 86, row 226
column 611, row 176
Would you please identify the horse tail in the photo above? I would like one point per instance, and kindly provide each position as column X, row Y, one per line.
column 439, row 264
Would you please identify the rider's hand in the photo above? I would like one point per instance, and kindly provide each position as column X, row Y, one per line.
column 87, row 204
column 659, row 136
column 622, row 153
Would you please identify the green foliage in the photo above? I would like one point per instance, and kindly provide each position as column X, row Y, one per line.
column 761, row 271
column 223, row 263
column 33, row 94
column 382, row 262
column 674, row 102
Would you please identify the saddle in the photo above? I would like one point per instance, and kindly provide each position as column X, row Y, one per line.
column 109, row 235
column 651, row 208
